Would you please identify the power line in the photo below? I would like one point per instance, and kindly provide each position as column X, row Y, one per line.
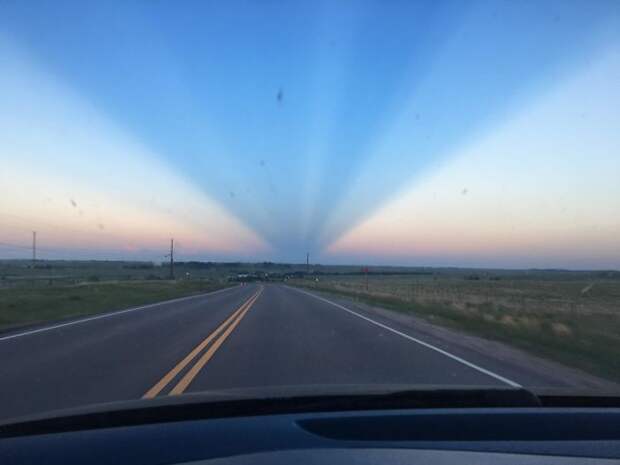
column 15, row 246
column 58, row 252
column 38, row 249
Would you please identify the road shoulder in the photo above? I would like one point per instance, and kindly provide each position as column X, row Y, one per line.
column 542, row 373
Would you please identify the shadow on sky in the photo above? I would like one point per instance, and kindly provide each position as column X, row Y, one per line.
column 232, row 97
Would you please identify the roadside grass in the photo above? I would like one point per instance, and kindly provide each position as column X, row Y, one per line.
column 552, row 319
column 26, row 305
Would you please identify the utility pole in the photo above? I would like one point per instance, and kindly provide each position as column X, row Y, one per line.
column 171, row 258
column 34, row 247
column 307, row 262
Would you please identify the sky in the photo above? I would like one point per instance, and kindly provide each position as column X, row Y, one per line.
column 482, row 133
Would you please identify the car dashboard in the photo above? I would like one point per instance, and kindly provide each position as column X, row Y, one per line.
column 521, row 435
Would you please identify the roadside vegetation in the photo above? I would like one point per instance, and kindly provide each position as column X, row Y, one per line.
column 55, row 291
column 570, row 317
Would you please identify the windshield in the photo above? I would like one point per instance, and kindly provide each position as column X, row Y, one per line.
column 201, row 197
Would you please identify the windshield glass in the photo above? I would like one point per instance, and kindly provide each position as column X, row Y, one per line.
column 274, row 196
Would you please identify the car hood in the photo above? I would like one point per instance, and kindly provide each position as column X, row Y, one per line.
column 293, row 399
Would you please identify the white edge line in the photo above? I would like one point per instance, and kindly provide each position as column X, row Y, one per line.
column 108, row 315
column 411, row 338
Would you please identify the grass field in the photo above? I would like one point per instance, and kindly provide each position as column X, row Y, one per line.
column 573, row 318
column 54, row 290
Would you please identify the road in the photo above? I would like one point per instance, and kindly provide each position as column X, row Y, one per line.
column 247, row 336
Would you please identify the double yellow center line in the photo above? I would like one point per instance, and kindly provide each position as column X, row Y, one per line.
column 221, row 333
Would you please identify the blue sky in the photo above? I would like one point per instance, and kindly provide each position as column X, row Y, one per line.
column 261, row 130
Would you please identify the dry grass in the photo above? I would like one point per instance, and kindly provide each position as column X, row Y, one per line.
column 573, row 320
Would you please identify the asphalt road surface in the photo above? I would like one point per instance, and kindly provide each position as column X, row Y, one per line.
column 248, row 336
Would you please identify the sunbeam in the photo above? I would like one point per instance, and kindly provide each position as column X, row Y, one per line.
column 269, row 130
column 64, row 164
column 540, row 190
column 472, row 85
